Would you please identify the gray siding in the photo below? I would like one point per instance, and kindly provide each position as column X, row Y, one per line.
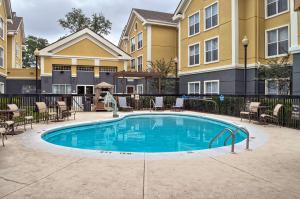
column 46, row 84
column 296, row 74
column 231, row 81
column 15, row 86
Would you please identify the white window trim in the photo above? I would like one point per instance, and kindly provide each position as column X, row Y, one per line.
column 3, row 28
column 138, row 40
column 277, row 80
column 141, row 86
column 85, row 87
column 211, row 81
column 218, row 60
column 204, row 16
column 197, row 12
column 3, row 57
column 189, row 55
column 131, row 45
column 197, row 82
column 137, row 62
column 280, row 13
column 62, row 85
column 266, row 41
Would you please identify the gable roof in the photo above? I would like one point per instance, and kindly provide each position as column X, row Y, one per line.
column 15, row 23
column 63, row 43
column 148, row 17
column 180, row 9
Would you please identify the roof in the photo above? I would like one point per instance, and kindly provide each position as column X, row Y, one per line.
column 104, row 85
column 16, row 22
column 62, row 43
column 155, row 15
column 180, row 8
column 8, row 8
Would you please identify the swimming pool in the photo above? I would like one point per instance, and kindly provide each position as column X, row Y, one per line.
column 149, row 133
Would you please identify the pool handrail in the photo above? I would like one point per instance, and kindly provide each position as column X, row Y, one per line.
column 221, row 133
column 245, row 131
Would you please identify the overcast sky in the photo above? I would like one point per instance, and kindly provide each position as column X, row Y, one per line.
column 41, row 16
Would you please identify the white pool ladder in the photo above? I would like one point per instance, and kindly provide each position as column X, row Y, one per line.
column 232, row 136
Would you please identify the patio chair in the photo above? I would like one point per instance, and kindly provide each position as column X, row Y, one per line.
column 64, row 112
column 272, row 116
column 43, row 110
column 159, row 103
column 18, row 116
column 6, row 126
column 251, row 111
column 123, row 104
column 179, row 104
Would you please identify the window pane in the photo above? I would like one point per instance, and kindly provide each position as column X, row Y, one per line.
column 192, row 60
column 272, row 88
column 272, row 49
column 197, row 18
column 272, row 36
column 197, row 59
column 282, row 5
column 272, row 10
column 208, row 87
column 283, row 34
column 208, row 13
column 283, row 47
column 208, row 23
column 215, row 55
column 215, row 86
column 197, row 28
column 214, row 44
column 208, row 46
column 197, row 49
column 192, row 30
column 192, row 51
column 215, row 9
column 214, row 20
column 208, row 56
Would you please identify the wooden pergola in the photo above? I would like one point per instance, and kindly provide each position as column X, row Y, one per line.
column 134, row 74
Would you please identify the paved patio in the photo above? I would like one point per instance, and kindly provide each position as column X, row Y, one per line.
column 270, row 171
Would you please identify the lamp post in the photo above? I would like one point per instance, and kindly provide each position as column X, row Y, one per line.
column 245, row 43
column 176, row 75
column 36, row 54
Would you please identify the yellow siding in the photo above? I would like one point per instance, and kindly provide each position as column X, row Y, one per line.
column 85, row 48
column 48, row 62
column 25, row 73
column 164, row 43
column 223, row 31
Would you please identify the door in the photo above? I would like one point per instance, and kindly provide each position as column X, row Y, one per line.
column 85, row 90
column 89, row 90
column 80, row 90
column 130, row 89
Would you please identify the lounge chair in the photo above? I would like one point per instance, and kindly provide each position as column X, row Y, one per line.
column 43, row 110
column 5, row 127
column 18, row 116
column 123, row 104
column 251, row 111
column 272, row 116
column 179, row 104
column 159, row 103
column 64, row 112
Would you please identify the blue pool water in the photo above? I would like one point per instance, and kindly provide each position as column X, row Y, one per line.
column 144, row 133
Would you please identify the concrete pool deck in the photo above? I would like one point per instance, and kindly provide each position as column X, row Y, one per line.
column 271, row 170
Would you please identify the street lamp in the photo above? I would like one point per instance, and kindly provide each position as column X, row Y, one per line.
column 36, row 54
column 245, row 43
column 176, row 75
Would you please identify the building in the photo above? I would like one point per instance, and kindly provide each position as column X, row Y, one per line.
column 296, row 52
column 149, row 36
column 211, row 54
column 75, row 64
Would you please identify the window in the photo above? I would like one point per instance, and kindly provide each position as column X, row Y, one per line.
column 211, row 16
column 132, row 44
column 275, row 7
column 61, row 89
column 1, row 28
column 61, row 68
column 2, row 88
column 1, row 57
column 194, row 55
column 140, row 40
column 212, row 50
column 28, row 89
column 140, row 89
column 277, row 87
column 108, row 69
column 140, row 63
column 277, row 42
column 194, row 88
column 132, row 64
column 85, row 69
column 211, row 87
column 194, row 24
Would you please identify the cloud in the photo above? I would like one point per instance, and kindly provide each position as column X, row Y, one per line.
column 41, row 16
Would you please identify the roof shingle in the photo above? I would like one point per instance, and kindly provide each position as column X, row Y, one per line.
column 16, row 23
column 155, row 15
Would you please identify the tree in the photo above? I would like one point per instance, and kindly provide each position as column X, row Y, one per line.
column 76, row 20
column 167, row 70
column 279, row 73
column 32, row 43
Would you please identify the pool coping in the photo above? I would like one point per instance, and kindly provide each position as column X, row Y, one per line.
column 257, row 139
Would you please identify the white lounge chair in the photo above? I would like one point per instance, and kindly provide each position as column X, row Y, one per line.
column 179, row 104
column 123, row 104
column 159, row 103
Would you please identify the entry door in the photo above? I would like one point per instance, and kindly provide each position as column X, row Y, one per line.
column 130, row 89
column 85, row 90
column 80, row 90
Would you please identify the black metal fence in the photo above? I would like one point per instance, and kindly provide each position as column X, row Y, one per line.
column 229, row 105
